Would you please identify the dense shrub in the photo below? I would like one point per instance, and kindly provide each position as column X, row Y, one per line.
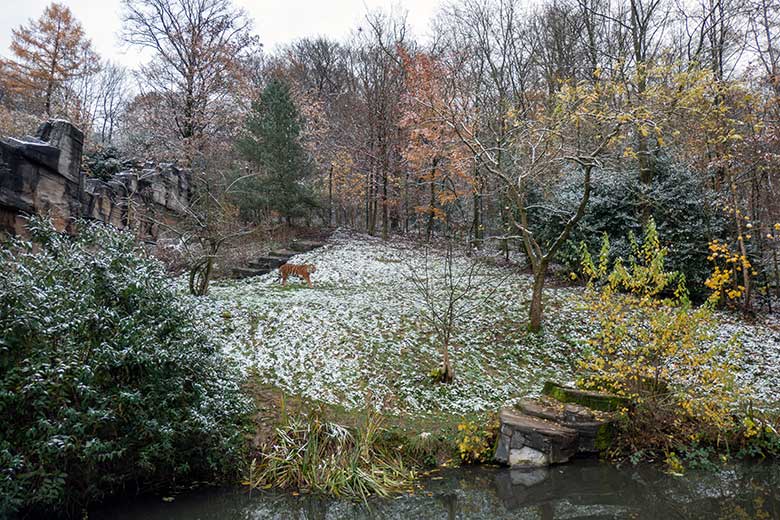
column 685, row 212
column 110, row 380
column 658, row 350
column 103, row 163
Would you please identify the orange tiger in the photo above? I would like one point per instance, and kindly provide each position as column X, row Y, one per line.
column 301, row 271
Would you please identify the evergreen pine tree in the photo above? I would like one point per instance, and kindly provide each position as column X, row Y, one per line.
column 273, row 145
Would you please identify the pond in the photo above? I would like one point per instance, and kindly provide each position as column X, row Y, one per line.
column 583, row 489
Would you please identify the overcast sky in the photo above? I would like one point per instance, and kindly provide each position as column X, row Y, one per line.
column 276, row 21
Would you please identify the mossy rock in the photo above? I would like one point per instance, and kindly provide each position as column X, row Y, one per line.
column 594, row 400
column 605, row 436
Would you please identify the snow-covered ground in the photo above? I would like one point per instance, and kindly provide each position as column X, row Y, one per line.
column 358, row 334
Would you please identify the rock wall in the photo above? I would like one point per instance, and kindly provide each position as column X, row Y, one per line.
column 42, row 174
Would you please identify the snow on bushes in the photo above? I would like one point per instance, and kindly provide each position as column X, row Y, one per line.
column 110, row 380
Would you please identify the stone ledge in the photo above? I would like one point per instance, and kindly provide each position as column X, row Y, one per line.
column 594, row 400
column 525, row 440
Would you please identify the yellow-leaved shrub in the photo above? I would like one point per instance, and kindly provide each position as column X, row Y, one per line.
column 654, row 347
column 475, row 443
column 724, row 281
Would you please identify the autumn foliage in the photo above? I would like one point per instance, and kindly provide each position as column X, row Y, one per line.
column 658, row 350
column 47, row 55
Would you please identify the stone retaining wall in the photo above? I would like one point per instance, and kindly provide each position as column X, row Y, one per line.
column 42, row 174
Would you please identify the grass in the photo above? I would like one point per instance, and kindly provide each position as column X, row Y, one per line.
column 353, row 358
column 315, row 455
column 306, row 446
column 359, row 332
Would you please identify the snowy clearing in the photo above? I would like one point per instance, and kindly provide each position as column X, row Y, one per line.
column 358, row 335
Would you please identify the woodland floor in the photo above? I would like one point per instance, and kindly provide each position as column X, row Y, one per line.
column 358, row 337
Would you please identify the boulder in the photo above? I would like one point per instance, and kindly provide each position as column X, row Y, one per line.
column 527, row 457
column 555, row 442
column 31, row 183
column 69, row 140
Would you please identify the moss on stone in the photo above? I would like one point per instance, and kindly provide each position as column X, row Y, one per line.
column 605, row 436
column 593, row 400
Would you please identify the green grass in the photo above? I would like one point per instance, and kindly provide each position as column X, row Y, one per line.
column 310, row 446
column 359, row 331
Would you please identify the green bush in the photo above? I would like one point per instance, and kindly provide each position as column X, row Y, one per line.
column 685, row 212
column 110, row 380
column 103, row 163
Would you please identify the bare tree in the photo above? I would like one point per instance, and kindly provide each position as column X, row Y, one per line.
column 379, row 80
column 710, row 35
column 209, row 223
column 764, row 38
column 451, row 288
column 196, row 67
column 194, row 89
column 111, row 99
column 539, row 153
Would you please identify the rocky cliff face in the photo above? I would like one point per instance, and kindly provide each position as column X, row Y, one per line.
column 42, row 174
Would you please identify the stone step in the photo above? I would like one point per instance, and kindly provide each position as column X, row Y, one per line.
column 303, row 246
column 593, row 400
column 283, row 253
column 552, row 411
column 529, row 441
column 274, row 259
column 268, row 262
column 246, row 272
column 540, row 432
column 595, row 429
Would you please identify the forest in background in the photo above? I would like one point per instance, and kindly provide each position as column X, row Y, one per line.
column 537, row 126
column 630, row 147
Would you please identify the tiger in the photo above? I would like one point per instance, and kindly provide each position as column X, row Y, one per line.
column 301, row 271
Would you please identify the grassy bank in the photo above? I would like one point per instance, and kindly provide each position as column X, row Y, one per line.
column 354, row 353
column 304, row 445
column 358, row 333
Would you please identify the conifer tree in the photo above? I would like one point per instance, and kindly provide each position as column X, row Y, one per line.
column 273, row 145
column 48, row 53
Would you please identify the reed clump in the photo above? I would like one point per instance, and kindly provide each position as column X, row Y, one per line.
column 311, row 454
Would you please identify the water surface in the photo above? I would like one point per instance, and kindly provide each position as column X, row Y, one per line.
column 584, row 489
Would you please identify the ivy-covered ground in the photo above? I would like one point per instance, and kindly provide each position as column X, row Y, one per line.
column 358, row 334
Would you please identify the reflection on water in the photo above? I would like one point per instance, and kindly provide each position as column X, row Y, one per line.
column 580, row 490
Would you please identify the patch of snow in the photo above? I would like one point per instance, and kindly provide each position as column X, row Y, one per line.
column 359, row 336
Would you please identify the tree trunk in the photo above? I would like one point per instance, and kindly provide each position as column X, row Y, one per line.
column 369, row 195
column 204, row 289
column 200, row 275
column 431, row 206
column 406, row 202
column 476, row 222
column 742, row 248
column 330, row 195
column 432, row 200
column 537, row 305
column 447, row 373
column 777, row 272
column 385, row 210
